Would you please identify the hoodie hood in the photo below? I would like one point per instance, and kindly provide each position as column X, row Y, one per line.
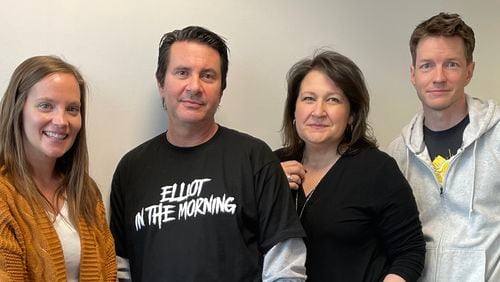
column 483, row 115
column 459, row 218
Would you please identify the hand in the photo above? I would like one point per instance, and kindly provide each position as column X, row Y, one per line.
column 393, row 278
column 295, row 173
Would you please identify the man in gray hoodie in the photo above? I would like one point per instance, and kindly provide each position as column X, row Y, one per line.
column 450, row 154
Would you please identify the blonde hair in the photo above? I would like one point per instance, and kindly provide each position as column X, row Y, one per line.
column 80, row 190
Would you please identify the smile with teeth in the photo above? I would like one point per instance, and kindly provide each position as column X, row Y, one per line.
column 55, row 135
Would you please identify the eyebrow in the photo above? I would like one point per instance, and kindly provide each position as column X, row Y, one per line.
column 425, row 60
column 46, row 99
column 432, row 60
column 209, row 70
column 314, row 93
column 181, row 67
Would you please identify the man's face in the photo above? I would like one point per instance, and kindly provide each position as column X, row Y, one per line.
column 192, row 87
column 441, row 73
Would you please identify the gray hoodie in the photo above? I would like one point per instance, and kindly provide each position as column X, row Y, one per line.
column 461, row 224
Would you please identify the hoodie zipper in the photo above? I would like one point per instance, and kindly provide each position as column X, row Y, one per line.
column 439, row 247
column 450, row 165
column 441, row 187
column 443, row 207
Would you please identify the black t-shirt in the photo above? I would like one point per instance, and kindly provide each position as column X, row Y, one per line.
column 445, row 143
column 204, row 213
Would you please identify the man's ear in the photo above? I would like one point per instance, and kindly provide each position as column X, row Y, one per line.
column 160, row 87
column 160, row 91
column 412, row 74
column 470, row 71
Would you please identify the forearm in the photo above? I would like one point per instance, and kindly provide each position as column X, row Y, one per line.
column 12, row 256
column 407, row 248
column 12, row 267
column 400, row 227
column 285, row 262
column 123, row 267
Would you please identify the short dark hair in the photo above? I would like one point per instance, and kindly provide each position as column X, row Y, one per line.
column 194, row 34
column 443, row 24
column 348, row 77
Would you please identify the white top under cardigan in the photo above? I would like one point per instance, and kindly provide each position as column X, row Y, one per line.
column 70, row 242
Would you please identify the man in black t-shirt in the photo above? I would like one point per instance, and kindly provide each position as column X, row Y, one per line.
column 202, row 202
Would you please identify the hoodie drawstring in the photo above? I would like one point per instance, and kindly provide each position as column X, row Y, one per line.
column 471, row 203
column 407, row 166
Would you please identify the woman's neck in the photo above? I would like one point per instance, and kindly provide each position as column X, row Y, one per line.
column 317, row 162
column 319, row 158
column 48, row 182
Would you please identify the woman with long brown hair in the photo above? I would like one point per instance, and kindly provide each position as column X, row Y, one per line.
column 52, row 218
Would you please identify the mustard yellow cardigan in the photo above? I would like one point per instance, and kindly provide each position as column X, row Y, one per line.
column 30, row 249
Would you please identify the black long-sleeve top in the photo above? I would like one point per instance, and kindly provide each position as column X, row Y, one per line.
column 361, row 221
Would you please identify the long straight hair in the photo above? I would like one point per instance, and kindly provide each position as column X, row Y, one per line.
column 81, row 191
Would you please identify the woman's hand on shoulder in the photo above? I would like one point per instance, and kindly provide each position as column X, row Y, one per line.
column 393, row 278
column 294, row 172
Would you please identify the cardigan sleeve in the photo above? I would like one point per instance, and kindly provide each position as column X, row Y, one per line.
column 109, row 246
column 398, row 223
column 12, row 266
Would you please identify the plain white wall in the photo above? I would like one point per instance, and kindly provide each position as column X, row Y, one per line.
column 114, row 43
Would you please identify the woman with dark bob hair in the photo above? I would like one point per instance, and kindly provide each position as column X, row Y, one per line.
column 357, row 209
column 52, row 219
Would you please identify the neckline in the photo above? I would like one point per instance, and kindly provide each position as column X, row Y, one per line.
column 213, row 131
column 305, row 202
column 327, row 170
column 164, row 140
column 309, row 196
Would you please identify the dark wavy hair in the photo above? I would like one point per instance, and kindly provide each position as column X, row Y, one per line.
column 348, row 77
column 443, row 24
column 194, row 34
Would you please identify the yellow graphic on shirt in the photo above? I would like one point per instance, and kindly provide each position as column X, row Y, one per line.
column 440, row 166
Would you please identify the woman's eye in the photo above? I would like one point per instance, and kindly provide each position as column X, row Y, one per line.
column 74, row 110
column 333, row 100
column 44, row 107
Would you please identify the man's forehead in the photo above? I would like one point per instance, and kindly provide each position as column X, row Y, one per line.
column 190, row 52
column 193, row 48
column 441, row 44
